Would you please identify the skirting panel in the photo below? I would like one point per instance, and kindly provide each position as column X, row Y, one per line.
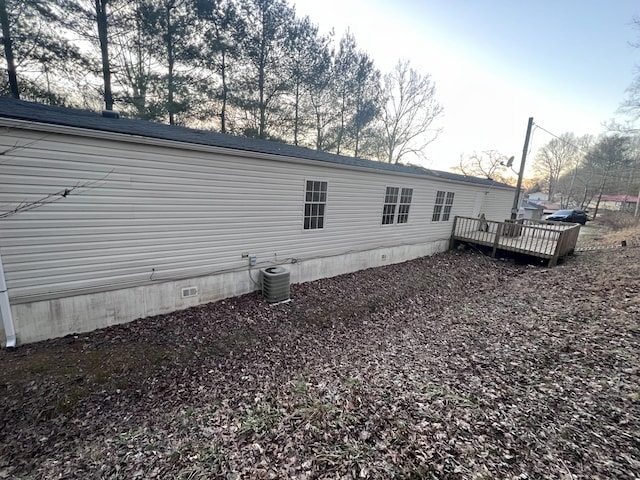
column 44, row 319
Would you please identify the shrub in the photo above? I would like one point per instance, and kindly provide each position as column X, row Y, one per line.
column 619, row 220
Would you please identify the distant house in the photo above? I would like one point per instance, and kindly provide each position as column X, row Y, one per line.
column 617, row 203
column 531, row 210
column 105, row 220
column 538, row 197
column 549, row 207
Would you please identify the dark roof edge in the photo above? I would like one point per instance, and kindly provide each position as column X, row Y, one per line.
column 87, row 120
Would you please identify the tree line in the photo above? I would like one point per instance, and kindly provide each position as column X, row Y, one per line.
column 246, row 67
column 577, row 170
column 573, row 170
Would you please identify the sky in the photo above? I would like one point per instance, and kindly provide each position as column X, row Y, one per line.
column 495, row 63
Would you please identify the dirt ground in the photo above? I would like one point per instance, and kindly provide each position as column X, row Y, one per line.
column 454, row 366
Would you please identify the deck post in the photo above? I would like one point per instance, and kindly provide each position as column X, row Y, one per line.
column 452, row 240
column 496, row 239
column 553, row 261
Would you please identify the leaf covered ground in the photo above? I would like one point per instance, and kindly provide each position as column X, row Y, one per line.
column 454, row 366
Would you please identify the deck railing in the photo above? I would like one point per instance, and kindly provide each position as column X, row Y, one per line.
column 548, row 240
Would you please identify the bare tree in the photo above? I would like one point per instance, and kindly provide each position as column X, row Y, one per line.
column 409, row 112
column 554, row 158
column 609, row 155
column 572, row 182
column 631, row 105
column 486, row 164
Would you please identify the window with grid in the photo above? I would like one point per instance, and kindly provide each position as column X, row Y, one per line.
column 405, row 203
column 442, row 207
column 314, row 205
column 390, row 204
column 448, row 204
column 397, row 202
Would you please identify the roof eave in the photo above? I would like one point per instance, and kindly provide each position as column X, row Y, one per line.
column 163, row 142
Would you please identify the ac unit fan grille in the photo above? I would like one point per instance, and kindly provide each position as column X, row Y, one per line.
column 275, row 284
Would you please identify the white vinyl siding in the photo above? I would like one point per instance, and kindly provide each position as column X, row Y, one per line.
column 144, row 213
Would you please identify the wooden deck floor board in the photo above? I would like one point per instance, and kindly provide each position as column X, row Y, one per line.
column 522, row 244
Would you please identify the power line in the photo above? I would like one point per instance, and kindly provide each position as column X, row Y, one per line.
column 586, row 152
column 562, row 139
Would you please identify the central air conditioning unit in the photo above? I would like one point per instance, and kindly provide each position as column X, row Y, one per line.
column 275, row 284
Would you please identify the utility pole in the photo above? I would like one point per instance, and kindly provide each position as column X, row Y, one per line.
column 516, row 199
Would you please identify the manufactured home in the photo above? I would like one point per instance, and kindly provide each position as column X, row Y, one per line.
column 104, row 220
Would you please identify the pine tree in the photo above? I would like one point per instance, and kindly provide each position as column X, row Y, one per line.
column 42, row 62
column 264, row 50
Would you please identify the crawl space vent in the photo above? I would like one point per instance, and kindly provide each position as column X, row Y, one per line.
column 275, row 284
column 189, row 292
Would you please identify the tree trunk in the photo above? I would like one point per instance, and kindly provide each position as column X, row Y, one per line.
column 357, row 125
column 341, row 131
column 170, row 62
column 584, row 203
column 8, row 50
column 573, row 180
column 551, row 189
column 261, row 106
column 296, row 117
column 604, row 181
column 101, row 18
column 357, row 139
column 225, row 93
column 318, row 129
column 139, row 83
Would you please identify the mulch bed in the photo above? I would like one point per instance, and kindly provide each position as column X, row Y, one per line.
column 452, row 366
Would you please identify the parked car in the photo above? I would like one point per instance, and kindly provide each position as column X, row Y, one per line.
column 572, row 216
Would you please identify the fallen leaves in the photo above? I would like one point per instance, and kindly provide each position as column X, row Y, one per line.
column 452, row 366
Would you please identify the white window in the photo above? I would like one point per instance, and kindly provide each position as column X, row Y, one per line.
column 442, row 208
column 397, row 201
column 314, row 205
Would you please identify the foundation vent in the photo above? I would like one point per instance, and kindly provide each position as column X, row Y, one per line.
column 189, row 292
column 275, row 284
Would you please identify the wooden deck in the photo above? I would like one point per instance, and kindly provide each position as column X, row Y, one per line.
column 548, row 240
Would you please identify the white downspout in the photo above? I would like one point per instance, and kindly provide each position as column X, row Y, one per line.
column 5, row 310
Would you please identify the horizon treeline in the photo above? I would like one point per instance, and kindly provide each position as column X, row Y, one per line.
column 246, row 67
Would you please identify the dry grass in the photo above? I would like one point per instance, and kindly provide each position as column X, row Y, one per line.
column 616, row 228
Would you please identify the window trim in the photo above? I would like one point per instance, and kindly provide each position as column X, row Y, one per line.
column 396, row 206
column 304, row 204
column 444, row 207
